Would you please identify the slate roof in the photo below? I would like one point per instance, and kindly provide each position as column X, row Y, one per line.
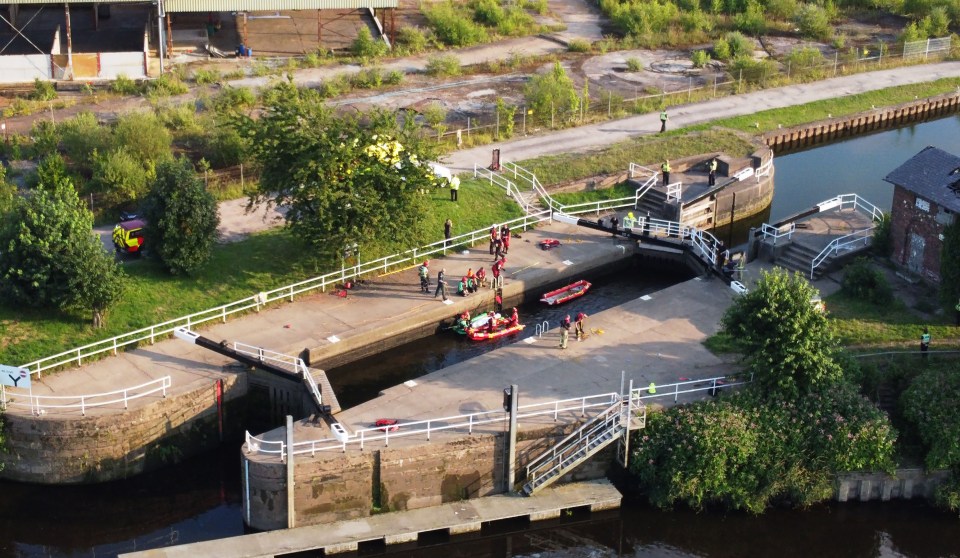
column 933, row 174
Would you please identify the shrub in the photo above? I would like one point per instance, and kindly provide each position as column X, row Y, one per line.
column 882, row 241
column 739, row 45
column 752, row 71
column 124, row 86
column 443, row 65
column 365, row 46
column 165, row 86
column 206, row 77
column 695, row 21
column 488, row 12
column 579, row 45
column 936, row 23
column 43, row 91
column 143, row 135
column 752, row 21
column 45, row 138
column 394, row 77
column 700, row 58
column 721, row 49
column 119, row 176
column 641, row 18
column 634, row 64
column 231, row 99
column 782, row 9
column 436, row 116
column 539, row 6
column 452, row 27
column 806, row 61
column 863, row 282
column 412, row 40
column 517, row 23
column 932, row 404
column 814, row 22
column 81, row 135
column 180, row 117
column 506, row 119
column 746, row 452
column 367, row 79
column 552, row 93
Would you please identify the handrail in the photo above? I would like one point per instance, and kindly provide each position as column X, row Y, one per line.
column 674, row 191
column 838, row 243
column 300, row 368
column 764, row 169
column 255, row 302
column 770, row 231
column 426, row 427
column 600, row 421
column 635, row 169
column 39, row 403
column 586, row 207
column 645, row 187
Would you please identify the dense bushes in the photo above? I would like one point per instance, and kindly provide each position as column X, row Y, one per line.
column 453, row 27
column 863, row 281
column 553, row 94
column 932, row 405
column 748, row 451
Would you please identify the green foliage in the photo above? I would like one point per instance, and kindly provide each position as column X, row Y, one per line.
column 788, row 344
column 412, row 40
column 813, row 22
column 394, row 77
column 207, row 77
column 539, row 6
column 370, row 78
column 81, row 136
column 8, row 193
column 721, row 49
column 634, row 64
column 233, row 99
column 912, row 33
column 443, row 65
column 861, row 280
column 936, row 23
column 950, row 266
column 181, row 217
column 50, row 258
column 784, row 10
column 143, row 135
column 505, row 116
column 120, row 176
column 579, row 45
column 165, row 86
column 516, row 23
column 749, row 451
column 552, row 93
column 435, row 115
column 752, row 71
column 739, row 45
column 752, row 21
column 452, row 27
column 365, row 46
column 947, row 495
column 932, row 404
column 882, row 241
column 696, row 21
column 43, row 90
column 344, row 180
column 488, row 12
column 700, row 58
column 641, row 18
column 45, row 138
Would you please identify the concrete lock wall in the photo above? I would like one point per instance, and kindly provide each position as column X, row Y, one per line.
column 333, row 486
column 88, row 449
column 129, row 64
column 904, row 484
column 24, row 68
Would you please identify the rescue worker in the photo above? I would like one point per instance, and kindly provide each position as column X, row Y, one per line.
column 464, row 321
column 454, row 188
column 497, row 249
column 462, row 287
column 494, row 235
column 614, row 222
column 564, row 331
column 425, row 276
column 471, row 280
column 663, row 121
column 514, row 317
column 665, row 170
column 441, row 285
column 713, row 172
column 481, row 278
column 580, row 327
column 505, row 238
column 498, row 273
column 925, row 342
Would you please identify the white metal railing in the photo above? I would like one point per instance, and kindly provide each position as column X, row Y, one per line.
column 38, row 404
column 636, row 171
column 769, row 231
column 255, row 302
column 844, row 242
column 674, row 191
column 597, row 206
column 296, row 365
column 521, row 173
column 542, row 328
column 467, row 422
column 601, row 425
column 764, row 169
column 645, row 187
column 852, row 201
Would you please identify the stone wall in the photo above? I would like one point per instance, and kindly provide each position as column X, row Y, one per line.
column 89, row 449
column 907, row 219
column 903, row 484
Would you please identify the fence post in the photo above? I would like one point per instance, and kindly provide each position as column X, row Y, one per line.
column 689, row 88
column 468, row 128
column 740, row 84
column 714, row 86
column 836, row 60
column 609, row 102
column 552, row 126
column 524, row 120
column 241, row 177
column 496, row 135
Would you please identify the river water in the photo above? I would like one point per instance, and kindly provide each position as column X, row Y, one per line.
column 200, row 499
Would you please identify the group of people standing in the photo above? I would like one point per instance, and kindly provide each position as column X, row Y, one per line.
column 578, row 325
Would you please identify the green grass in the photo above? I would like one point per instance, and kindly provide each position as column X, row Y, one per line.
column 621, row 190
column 863, row 324
column 646, row 150
column 840, row 106
column 261, row 262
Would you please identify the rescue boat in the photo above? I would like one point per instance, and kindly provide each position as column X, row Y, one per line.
column 480, row 321
column 486, row 334
column 565, row 294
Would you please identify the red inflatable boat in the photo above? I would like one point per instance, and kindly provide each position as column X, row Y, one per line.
column 570, row 292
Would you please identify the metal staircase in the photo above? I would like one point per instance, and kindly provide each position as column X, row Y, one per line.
column 614, row 423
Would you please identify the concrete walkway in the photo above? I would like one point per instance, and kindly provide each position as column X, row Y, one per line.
column 595, row 136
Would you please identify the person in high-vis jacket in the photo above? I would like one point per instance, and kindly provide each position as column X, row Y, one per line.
column 713, row 172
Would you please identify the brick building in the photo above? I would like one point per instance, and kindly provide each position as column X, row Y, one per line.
column 926, row 199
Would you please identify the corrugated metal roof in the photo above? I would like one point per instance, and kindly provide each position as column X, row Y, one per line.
column 240, row 5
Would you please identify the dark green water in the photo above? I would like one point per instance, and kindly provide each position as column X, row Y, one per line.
column 200, row 499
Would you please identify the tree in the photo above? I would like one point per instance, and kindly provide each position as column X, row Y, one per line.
column 950, row 266
column 8, row 192
column 343, row 179
column 182, row 218
column 49, row 256
column 552, row 92
column 787, row 342
column 120, row 176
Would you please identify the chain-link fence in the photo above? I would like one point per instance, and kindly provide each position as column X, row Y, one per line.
column 801, row 65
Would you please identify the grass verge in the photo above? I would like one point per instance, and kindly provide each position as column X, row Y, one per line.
column 261, row 262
